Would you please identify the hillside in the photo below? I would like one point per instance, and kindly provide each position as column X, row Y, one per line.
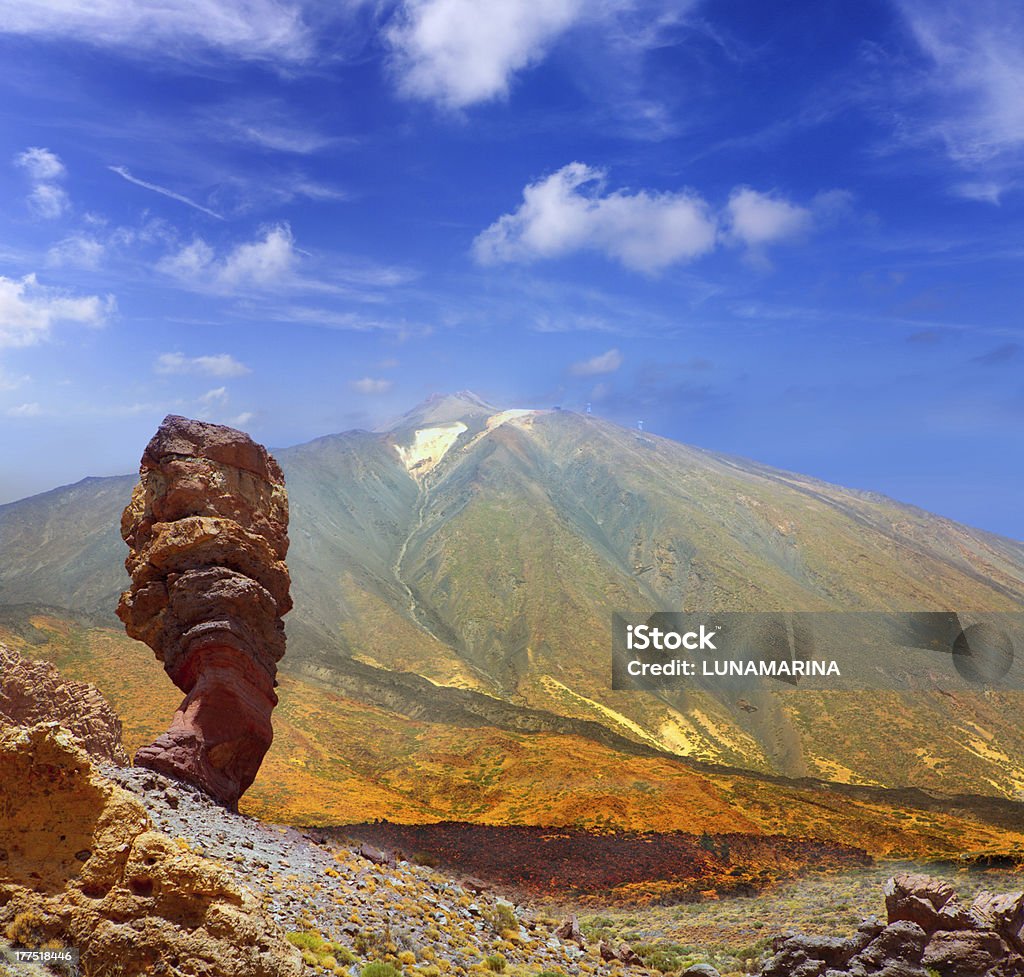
column 454, row 577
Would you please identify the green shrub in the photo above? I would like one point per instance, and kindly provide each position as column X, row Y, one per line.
column 377, row 969
column 306, row 940
column 662, row 960
column 342, row 954
column 495, row 962
column 502, row 917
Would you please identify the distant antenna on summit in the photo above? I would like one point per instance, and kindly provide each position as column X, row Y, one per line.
column 588, row 408
column 639, row 425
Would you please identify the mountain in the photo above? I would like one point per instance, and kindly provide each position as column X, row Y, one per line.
column 457, row 572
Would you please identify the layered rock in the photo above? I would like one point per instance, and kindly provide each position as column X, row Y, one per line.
column 207, row 531
column 930, row 933
column 34, row 691
column 81, row 866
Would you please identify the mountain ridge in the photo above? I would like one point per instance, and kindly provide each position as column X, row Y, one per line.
column 494, row 569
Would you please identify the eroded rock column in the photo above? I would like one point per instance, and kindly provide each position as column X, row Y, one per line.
column 207, row 532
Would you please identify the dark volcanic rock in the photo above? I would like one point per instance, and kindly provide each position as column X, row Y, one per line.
column 931, row 903
column 35, row 692
column 376, row 855
column 569, row 930
column 625, row 954
column 930, row 934
column 967, row 954
column 207, row 531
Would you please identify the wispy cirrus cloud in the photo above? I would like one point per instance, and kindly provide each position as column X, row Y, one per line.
column 971, row 96
column 122, row 171
column 11, row 381
column 213, row 406
column 47, row 199
column 371, row 386
column 77, row 251
column 273, row 262
column 28, row 409
column 247, row 29
column 210, row 365
column 346, row 320
column 607, row 362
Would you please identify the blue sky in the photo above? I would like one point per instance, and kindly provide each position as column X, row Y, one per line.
column 792, row 232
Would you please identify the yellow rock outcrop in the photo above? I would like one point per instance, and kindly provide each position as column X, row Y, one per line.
column 81, row 866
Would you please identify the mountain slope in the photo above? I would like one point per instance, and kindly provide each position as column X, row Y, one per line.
column 461, row 568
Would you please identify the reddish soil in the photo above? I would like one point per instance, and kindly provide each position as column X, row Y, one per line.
column 616, row 867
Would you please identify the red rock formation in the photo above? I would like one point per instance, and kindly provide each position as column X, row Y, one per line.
column 207, row 531
column 35, row 692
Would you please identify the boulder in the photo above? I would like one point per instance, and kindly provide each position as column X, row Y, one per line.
column 34, row 691
column 82, row 866
column 376, row 855
column 966, row 954
column 931, row 903
column 569, row 932
column 930, row 934
column 625, row 954
column 1004, row 913
column 207, row 532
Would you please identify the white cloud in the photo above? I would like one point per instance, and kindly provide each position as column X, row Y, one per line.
column 25, row 410
column 570, row 211
column 604, row 363
column 41, row 165
column 457, row 52
column 371, row 386
column 353, row 321
column 46, row 199
column 250, row 29
column 218, row 396
column 567, row 212
column 312, row 190
column 77, row 251
column 191, row 263
column 263, row 263
column 28, row 310
column 10, row 382
column 217, row 365
column 986, row 191
column 281, row 138
column 757, row 219
column 976, row 74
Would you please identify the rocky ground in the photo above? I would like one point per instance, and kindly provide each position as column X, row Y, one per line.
column 345, row 905
column 147, row 875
